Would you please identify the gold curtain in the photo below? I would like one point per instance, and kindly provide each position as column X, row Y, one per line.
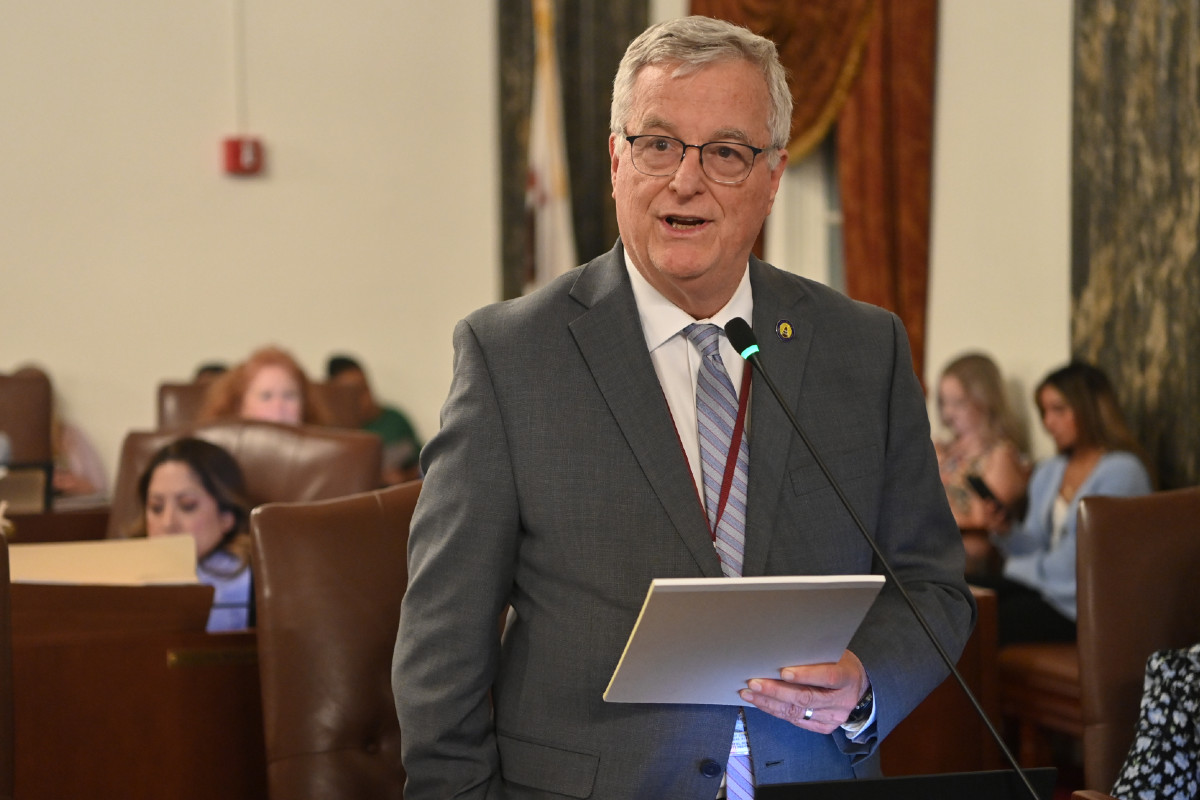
column 869, row 66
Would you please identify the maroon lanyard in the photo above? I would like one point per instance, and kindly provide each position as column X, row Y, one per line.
column 735, row 445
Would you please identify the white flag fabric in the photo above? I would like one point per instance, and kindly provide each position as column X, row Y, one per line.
column 547, row 188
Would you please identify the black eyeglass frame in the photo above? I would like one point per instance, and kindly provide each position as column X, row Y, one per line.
column 700, row 152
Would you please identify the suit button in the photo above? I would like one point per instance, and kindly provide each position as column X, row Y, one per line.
column 711, row 769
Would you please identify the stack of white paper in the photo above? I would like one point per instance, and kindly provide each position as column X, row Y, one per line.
column 699, row 640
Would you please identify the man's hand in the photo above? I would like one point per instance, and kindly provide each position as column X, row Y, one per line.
column 831, row 691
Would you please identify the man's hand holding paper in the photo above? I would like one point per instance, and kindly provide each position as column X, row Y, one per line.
column 831, row 691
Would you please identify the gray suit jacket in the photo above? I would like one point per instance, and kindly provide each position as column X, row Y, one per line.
column 557, row 485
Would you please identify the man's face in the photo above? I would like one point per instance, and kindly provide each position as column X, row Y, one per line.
column 689, row 236
column 357, row 380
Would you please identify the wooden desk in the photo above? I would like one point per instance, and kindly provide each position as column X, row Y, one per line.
column 102, row 712
column 60, row 526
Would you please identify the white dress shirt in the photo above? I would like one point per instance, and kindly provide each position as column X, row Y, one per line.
column 677, row 362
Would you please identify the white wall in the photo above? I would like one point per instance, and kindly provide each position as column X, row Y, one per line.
column 1000, row 261
column 126, row 257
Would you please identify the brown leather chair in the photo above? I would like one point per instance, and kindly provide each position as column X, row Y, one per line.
column 25, row 410
column 1139, row 558
column 329, row 580
column 179, row 404
column 1040, row 693
column 7, row 764
column 944, row 733
column 26, row 407
column 281, row 463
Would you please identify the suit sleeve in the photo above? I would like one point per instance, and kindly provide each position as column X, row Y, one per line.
column 461, row 553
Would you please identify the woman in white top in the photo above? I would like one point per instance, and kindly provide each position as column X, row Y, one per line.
column 196, row 488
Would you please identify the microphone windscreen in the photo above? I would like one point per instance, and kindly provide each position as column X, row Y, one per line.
column 741, row 337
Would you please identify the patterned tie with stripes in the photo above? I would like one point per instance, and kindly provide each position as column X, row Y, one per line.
column 716, row 413
column 716, row 416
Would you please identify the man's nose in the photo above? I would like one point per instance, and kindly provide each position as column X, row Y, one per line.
column 690, row 175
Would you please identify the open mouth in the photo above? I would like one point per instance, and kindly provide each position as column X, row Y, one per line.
column 685, row 223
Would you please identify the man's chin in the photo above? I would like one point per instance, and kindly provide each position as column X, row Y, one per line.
column 683, row 261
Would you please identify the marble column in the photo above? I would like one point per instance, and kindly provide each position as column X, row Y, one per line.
column 1135, row 276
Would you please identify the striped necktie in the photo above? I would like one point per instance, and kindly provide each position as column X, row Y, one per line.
column 716, row 414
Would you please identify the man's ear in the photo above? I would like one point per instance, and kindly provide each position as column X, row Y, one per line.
column 614, row 158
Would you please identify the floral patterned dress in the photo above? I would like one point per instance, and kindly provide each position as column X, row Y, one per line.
column 1164, row 760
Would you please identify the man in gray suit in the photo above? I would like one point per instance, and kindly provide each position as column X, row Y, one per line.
column 567, row 476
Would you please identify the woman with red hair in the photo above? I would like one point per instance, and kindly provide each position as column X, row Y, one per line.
column 269, row 386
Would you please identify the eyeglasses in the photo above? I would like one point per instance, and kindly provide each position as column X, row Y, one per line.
column 723, row 162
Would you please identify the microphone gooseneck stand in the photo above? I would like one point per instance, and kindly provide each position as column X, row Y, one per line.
column 744, row 341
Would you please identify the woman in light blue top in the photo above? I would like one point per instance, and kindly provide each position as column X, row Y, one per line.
column 196, row 488
column 1097, row 455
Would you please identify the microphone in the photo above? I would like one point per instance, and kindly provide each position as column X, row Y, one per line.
column 744, row 341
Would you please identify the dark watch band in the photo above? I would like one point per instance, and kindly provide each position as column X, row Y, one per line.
column 862, row 712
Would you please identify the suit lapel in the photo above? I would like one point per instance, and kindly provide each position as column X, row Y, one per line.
column 771, row 437
column 609, row 336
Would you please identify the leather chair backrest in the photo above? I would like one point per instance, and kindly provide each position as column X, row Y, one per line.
column 281, row 463
column 25, row 412
column 1138, row 569
column 329, row 578
column 179, row 404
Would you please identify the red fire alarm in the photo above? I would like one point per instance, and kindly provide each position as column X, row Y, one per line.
column 243, row 155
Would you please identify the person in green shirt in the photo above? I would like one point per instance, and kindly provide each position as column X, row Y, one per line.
column 401, row 447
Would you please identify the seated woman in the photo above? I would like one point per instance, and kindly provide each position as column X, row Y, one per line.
column 196, row 488
column 78, row 469
column 985, row 439
column 269, row 386
column 1164, row 759
column 1097, row 455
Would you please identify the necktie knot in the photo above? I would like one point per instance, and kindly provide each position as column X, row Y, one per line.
column 705, row 336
